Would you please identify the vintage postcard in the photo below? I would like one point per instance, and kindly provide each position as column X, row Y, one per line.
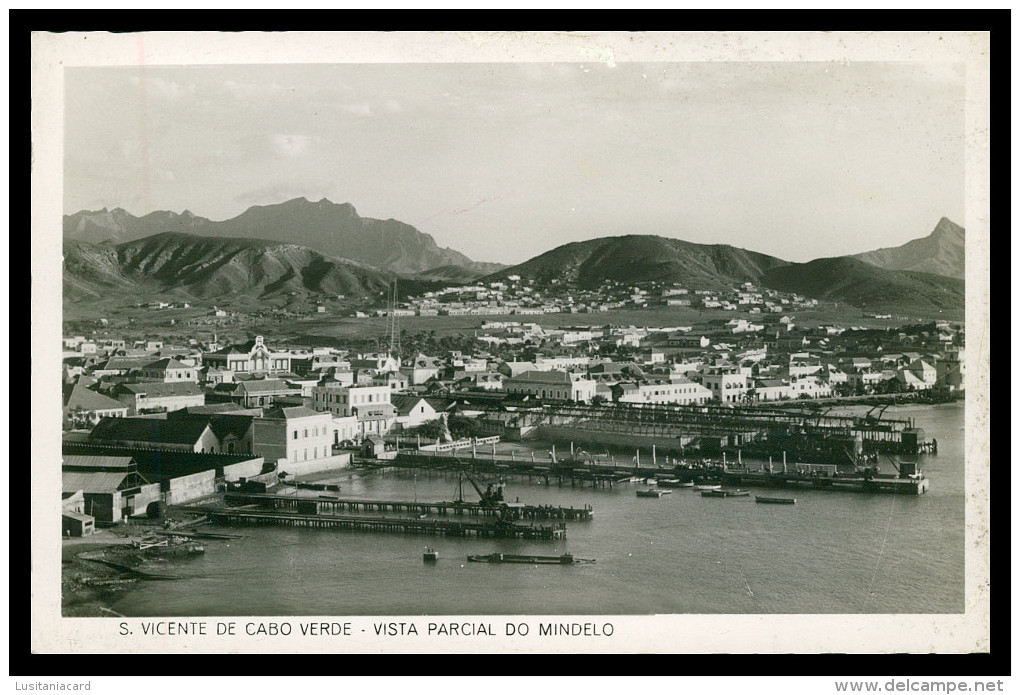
column 510, row 342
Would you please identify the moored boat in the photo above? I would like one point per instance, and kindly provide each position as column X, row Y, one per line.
column 708, row 487
column 651, row 492
column 775, row 500
column 725, row 493
column 430, row 554
column 499, row 558
column 668, row 482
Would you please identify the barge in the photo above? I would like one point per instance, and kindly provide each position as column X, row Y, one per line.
column 775, row 500
column 501, row 558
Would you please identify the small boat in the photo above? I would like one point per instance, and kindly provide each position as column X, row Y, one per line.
column 725, row 493
column 668, row 482
column 430, row 555
column 775, row 500
column 651, row 492
column 708, row 487
column 500, row 558
column 689, row 483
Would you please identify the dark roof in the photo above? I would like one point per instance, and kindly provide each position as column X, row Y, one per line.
column 551, row 377
column 404, row 402
column 159, row 388
column 87, row 399
column 264, row 386
column 157, row 465
column 152, row 431
column 284, row 413
column 126, row 362
column 221, row 424
column 166, row 363
column 213, row 409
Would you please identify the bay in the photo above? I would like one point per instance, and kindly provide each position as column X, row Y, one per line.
column 831, row 552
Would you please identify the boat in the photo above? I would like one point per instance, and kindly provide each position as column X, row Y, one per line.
column 725, row 493
column 708, row 487
column 668, row 482
column 500, row 558
column 689, row 483
column 775, row 500
column 652, row 493
column 430, row 555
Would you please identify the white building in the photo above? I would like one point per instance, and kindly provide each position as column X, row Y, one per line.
column 726, row 383
column 296, row 434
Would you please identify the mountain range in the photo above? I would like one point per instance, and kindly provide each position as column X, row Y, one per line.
column 332, row 229
column 201, row 267
column 322, row 247
column 897, row 278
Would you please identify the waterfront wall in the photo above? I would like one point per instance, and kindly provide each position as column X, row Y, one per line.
column 190, row 487
column 244, row 469
column 314, row 465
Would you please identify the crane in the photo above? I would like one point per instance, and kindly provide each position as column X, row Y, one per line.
column 489, row 500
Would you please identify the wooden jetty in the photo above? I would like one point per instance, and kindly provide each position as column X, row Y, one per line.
column 322, row 505
column 424, row 527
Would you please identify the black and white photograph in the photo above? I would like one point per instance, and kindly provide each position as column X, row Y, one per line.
column 471, row 342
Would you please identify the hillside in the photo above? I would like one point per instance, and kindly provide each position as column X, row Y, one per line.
column 847, row 279
column 200, row 267
column 643, row 258
column 119, row 225
column 332, row 229
column 942, row 252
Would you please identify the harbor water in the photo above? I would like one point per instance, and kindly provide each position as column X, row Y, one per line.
column 831, row 552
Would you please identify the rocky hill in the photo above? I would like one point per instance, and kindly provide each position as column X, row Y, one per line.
column 202, row 267
column 644, row 258
column 942, row 252
column 847, row 279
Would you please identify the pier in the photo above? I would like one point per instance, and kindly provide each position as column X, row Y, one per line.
column 323, row 505
column 607, row 474
column 423, row 527
column 811, row 436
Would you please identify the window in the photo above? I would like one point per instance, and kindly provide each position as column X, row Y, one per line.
column 306, row 433
column 295, row 434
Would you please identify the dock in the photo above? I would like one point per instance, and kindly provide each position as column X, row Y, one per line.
column 324, row 505
column 564, row 471
column 423, row 527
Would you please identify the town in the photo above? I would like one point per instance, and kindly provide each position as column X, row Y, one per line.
column 148, row 421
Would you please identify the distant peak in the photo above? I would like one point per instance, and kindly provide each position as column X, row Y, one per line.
column 947, row 225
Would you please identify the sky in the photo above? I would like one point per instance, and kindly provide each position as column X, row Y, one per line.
column 505, row 161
